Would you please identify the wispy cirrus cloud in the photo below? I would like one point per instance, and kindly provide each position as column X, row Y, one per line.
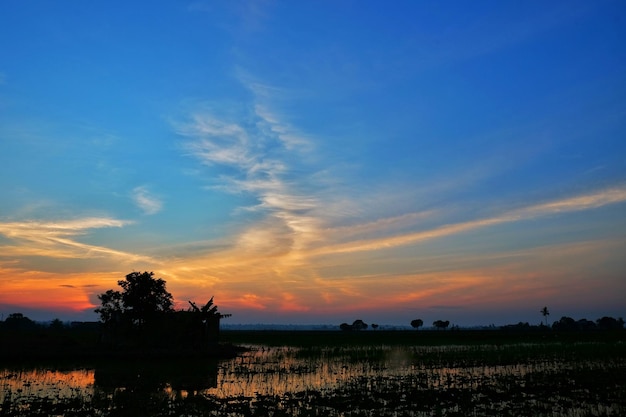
column 146, row 201
column 287, row 134
column 577, row 203
column 261, row 154
column 58, row 239
column 572, row 204
column 43, row 231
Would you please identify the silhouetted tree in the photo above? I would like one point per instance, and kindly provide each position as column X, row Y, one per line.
column 565, row 324
column 112, row 308
column 143, row 298
column 545, row 313
column 208, row 311
column 18, row 321
column 374, row 326
column 345, row 327
column 584, row 324
column 417, row 323
column 440, row 324
column 207, row 319
column 609, row 323
column 57, row 325
column 359, row 325
column 142, row 315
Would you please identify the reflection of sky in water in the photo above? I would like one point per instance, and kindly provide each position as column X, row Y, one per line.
column 274, row 371
column 277, row 371
column 46, row 383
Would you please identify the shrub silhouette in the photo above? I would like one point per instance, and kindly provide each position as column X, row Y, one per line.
column 417, row 323
column 440, row 324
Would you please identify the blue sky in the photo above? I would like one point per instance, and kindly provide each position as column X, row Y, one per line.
column 316, row 162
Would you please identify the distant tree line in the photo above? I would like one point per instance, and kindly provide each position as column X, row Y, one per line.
column 604, row 323
column 416, row 324
column 564, row 324
column 569, row 324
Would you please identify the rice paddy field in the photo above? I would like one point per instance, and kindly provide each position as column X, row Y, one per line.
column 329, row 373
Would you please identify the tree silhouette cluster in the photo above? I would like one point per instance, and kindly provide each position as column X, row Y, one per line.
column 604, row 323
column 416, row 324
column 18, row 322
column 356, row 325
column 142, row 313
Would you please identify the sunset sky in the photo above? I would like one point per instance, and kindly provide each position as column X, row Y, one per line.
column 316, row 161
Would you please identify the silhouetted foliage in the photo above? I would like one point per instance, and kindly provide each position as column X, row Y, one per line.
column 208, row 311
column 545, row 313
column 604, row 323
column 374, row 326
column 440, row 324
column 359, row 325
column 356, row 325
column 565, row 324
column 584, row 325
column 609, row 323
column 143, row 298
column 17, row 321
column 142, row 314
column 57, row 325
column 521, row 326
column 417, row 323
column 205, row 322
column 112, row 308
column 345, row 327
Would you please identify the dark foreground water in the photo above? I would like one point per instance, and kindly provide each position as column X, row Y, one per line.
column 341, row 381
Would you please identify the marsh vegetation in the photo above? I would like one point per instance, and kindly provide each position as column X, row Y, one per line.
column 341, row 375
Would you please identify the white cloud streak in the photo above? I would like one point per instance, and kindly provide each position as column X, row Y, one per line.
column 290, row 138
column 148, row 203
column 572, row 204
column 57, row 239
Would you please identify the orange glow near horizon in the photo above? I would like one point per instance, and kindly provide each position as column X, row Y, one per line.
column 312, row 278
column 502, row 285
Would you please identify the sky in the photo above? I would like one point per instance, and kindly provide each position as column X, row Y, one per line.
column 316, row 161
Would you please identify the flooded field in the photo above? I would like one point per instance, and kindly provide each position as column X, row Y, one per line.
column 583, row 379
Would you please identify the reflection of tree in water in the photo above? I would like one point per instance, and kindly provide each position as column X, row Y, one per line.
column 144, row 387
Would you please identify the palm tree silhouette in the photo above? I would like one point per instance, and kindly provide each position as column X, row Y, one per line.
column 544, row 311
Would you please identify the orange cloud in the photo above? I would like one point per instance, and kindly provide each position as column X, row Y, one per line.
column 247, row 301
column 291, row 303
